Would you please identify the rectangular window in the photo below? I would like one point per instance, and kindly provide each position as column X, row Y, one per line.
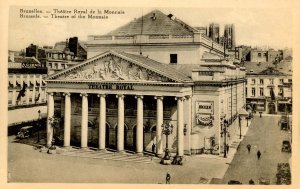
column 261, row 91
column 259, row 54
column 10, row 94
column 290, row 80
column 173, row 58
column 205, row 73
column 30, row 95
column 261, row 81
column 281, row 81
column 246, row 91
column 253, row 81
column 253, row 91
column 271, row 81
column 280, row 93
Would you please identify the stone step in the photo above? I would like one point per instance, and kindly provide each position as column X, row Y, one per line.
column 89, row 153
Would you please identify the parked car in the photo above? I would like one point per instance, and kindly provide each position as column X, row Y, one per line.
column 25, row 132
column 234, row 182
column 286, row 146
column 283, row 174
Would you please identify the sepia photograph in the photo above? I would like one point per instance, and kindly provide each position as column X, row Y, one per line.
column 150, row 95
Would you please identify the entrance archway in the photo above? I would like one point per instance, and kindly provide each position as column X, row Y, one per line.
column 107, row 145
column 272, row 108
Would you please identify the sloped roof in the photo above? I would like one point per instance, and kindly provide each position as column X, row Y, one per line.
column 160, row 68
column 284, row 67
column 160, row 25
column 255, row 67
column 164, row 69
column 185, row 68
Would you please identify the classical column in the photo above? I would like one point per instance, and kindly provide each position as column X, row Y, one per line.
column 27, row 89
column 33, row 90
column 159, row 122
column 102, row 121
column 14, row 91
column 180, row 151
column 40, row 90
column 139, row 125
column 67, row 125
column 188, row 122
column 50, row 113
column 84, row 121
column 13, row 100
column 120, row 140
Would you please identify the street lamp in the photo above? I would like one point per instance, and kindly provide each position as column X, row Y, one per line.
column 167, row 129
column 224, row 132
column 240, row 126
column 39, row 125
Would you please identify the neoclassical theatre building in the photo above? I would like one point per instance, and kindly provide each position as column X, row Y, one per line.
column 153, row 70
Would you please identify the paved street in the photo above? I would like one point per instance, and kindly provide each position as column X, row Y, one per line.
column 28, row 165
column 266, row 136
column 25, row 164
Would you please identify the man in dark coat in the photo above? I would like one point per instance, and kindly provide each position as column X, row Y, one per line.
column 258, row 154
column 249, row 148
column 153, row 148
column 168, row 178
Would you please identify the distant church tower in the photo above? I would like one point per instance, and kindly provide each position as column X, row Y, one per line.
column 229, row 36
column 214, row 32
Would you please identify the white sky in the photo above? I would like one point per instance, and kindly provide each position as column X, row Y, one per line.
column 255, row 27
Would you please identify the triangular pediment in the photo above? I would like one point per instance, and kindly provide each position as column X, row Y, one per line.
column 271, row 71
column 114, row 66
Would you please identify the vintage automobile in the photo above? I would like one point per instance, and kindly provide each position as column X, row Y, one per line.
column 234, row 182
column 25, row 132
column 283, row 174
column 284, row 123
column 286, row 146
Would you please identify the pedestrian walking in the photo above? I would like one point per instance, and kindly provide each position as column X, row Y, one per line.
column 168, row 178
column 248, row 147
column 153, row 148
column 258, row 154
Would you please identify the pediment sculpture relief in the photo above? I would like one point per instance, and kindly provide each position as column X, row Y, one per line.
column 113, row 68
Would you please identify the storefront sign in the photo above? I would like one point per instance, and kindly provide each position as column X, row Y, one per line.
column 111, row 87
column 204, row 107
column 204, row 113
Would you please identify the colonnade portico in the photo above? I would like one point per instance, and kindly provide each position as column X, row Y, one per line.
column 120, row 122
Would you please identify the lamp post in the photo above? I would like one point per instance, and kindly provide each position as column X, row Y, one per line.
column 225, row 133
column 167, row 129
column 39, row 126
column 240, row 126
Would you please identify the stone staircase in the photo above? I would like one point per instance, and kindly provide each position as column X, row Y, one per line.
column 108, row 155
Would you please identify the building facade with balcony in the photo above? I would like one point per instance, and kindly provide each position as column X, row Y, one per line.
column 26, row 89
column 133, row 82
column 269, row 88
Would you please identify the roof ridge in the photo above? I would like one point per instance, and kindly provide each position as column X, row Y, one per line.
column 154, row 22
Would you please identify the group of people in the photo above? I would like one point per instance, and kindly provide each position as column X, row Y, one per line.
column 258, row 153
